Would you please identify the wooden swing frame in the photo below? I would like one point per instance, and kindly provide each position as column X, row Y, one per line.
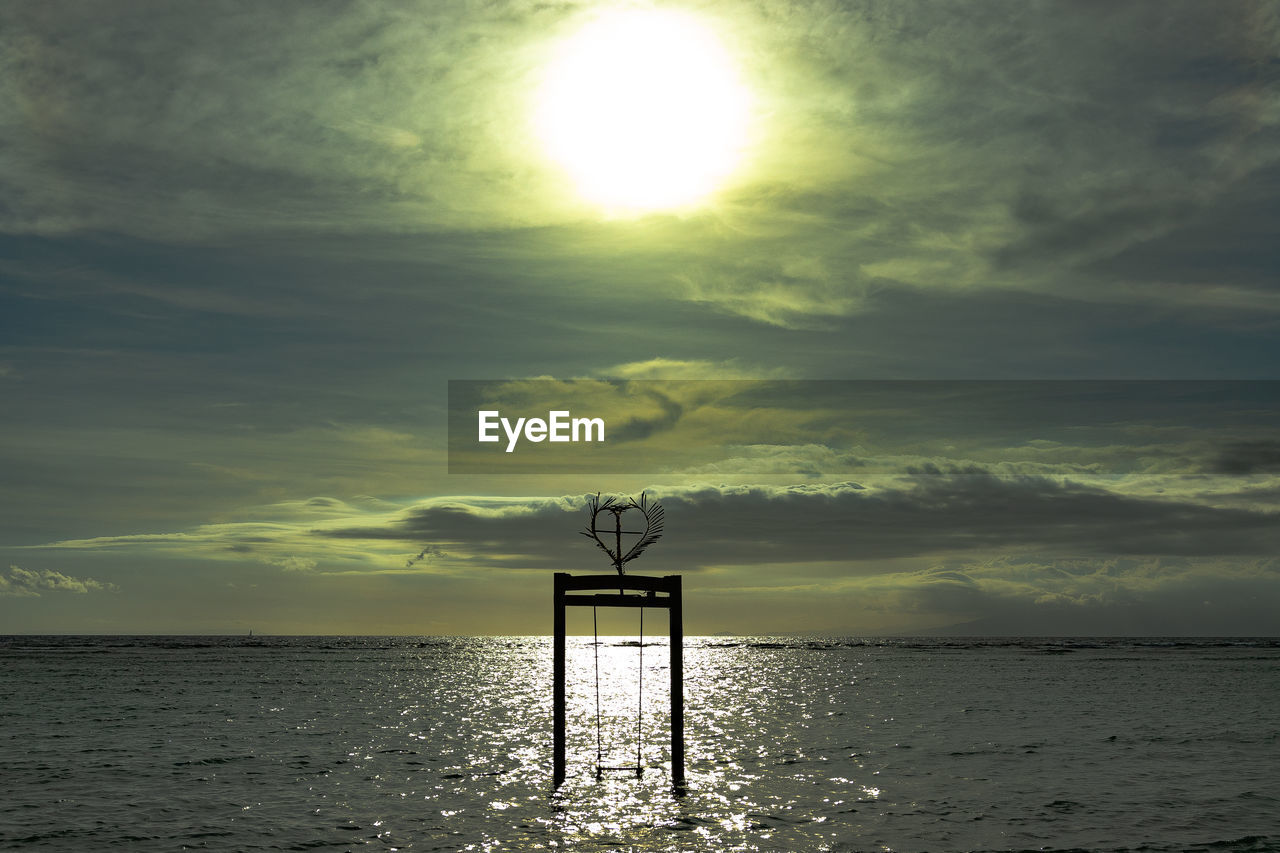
column 653, row 592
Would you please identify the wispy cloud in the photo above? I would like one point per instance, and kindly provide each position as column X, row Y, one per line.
column 930, row 511
column 933, row 547
column 917, row 145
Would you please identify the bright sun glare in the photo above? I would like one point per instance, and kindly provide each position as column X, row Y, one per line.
column 643, row 108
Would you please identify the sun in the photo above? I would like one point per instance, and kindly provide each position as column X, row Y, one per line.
column 644, row 110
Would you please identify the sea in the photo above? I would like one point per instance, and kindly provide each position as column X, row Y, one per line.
column 792, row 744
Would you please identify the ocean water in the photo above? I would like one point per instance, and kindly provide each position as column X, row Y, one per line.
column 155, row 743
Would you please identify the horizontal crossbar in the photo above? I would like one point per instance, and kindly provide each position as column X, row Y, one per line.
column 604, row 599
column 669, row 583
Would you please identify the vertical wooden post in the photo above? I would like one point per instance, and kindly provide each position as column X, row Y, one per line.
column 676, row 629
column 558, row 747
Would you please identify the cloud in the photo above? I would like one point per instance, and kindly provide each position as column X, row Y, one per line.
column 255, row 240
column 198, row 122
column 933, row 511
column 31, row 583
column 792, row 292
column 898, row 145
column 697, row 369
column 933, row 547
column 292, row 563
column 890, row 471
column 960, row 147
column 1247, row 457
column 1080, row 596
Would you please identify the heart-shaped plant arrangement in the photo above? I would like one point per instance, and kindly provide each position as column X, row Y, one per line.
column 652, row 532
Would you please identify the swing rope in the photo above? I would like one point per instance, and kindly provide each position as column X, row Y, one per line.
column 595, row 631
column 640, row 697
column 600, row 768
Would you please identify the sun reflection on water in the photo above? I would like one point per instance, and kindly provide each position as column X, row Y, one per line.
column 449, row 748
column 731, row 730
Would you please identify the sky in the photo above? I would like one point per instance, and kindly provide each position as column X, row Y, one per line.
column 985, row 314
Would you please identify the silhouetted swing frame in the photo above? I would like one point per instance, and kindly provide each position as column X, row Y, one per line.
column 654, row 592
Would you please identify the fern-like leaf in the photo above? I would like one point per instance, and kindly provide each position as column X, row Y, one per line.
column 654, row 520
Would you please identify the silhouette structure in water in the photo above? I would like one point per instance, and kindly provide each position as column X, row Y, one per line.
column 638, row 591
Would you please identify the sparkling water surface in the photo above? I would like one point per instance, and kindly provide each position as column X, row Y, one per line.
column 155, row 743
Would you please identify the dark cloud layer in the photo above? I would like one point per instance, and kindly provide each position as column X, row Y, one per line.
column 939, row 512
column 1248, row 457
